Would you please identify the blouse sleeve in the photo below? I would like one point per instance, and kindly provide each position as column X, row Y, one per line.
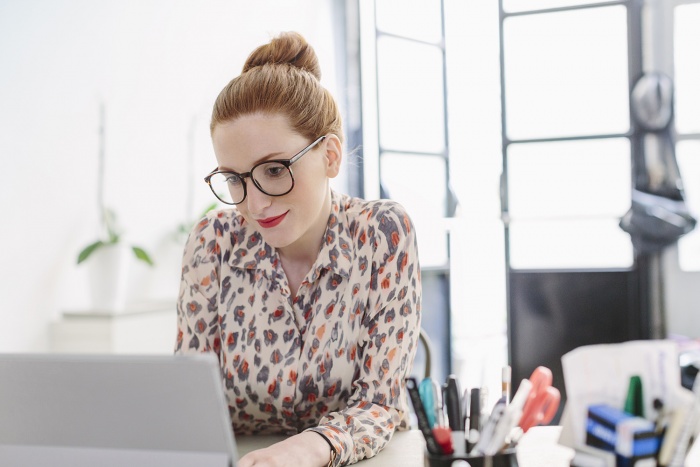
column 197, row 318
column 387, row 346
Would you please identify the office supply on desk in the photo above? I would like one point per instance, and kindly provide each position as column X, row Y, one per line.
column 427, row 396
column 80, row 410
column 506, row 458
column 474, row 419
column 441, row 432
column 542, row 402
column 601, row 374
column 484, row 404
column 453, row 406
column 634, row 403
column 506, row 375
column 493, row 435
column 503, row 419
column 443, row 437
column 486, row 434
column 439, row 403
column 630, row 437
column 465, row 410
column 588, row 456
column 422, row 418
column 688, row 429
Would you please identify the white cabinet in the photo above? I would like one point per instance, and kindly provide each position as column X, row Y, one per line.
column 145, row 329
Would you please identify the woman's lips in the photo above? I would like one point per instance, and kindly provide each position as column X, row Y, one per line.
column 271, row 221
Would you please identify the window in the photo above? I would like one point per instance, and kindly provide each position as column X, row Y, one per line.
column 566, row 73
column 568, row 154
column 687, row 113
column 565, row 201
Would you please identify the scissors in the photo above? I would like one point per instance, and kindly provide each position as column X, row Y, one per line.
column 542, row 402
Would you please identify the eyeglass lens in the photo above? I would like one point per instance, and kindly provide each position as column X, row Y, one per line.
column 271, row 178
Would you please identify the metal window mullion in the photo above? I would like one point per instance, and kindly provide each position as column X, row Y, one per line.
column 451, row 202
column 445, row 153
column 563, row 8
column 442, row 154
column 406, row 38
column 567, row 138
column 687, row 137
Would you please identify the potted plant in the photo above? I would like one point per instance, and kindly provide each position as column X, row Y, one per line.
column 109, row 258
column 113, row 238
column 108, row 267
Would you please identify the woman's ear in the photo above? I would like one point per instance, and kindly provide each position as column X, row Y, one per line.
column 334, row 155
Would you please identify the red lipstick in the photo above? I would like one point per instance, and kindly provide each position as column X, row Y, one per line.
column 271, row 221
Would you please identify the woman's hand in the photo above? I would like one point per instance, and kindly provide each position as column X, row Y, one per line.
column 307, row 449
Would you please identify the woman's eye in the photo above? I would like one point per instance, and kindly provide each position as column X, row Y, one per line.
column 274, row 171
column 233, row 180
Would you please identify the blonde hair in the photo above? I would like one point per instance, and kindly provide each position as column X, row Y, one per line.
column 281, row 77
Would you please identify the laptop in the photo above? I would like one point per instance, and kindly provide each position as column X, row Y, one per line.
column 113, row 410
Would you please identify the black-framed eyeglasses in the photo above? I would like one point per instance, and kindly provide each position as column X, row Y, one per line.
column 274, row 178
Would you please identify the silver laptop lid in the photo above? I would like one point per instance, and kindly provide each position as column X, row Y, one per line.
column 114, row 402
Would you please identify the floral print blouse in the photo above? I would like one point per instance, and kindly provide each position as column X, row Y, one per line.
column 334, row 358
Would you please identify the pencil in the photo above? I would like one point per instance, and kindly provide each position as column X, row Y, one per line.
column 505, row 383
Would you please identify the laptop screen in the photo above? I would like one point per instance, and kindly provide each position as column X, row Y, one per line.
column 107, row 404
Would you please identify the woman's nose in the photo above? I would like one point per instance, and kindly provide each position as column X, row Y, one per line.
column 257, row 200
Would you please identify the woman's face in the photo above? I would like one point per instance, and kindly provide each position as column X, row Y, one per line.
column 299, row 218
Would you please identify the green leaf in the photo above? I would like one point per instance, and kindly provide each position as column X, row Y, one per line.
column 142, row 255
column 88, row 250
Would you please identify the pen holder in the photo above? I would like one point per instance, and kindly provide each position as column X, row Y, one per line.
column 505, row 458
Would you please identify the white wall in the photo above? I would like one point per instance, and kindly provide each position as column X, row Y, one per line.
column 157, row 65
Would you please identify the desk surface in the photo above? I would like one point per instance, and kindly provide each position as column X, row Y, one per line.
column 537, row 448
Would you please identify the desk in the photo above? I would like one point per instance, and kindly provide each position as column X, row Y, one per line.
column 537, row 448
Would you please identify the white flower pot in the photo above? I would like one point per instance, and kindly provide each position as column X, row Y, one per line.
column 108, row 270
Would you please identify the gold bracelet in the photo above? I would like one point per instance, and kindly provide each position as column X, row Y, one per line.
column 333, row 456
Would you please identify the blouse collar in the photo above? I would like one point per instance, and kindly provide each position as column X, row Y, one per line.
column 250, row 251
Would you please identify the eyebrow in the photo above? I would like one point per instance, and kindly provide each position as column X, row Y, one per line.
column 271, row 156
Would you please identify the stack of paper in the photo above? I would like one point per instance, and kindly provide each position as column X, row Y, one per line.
column 601, row 374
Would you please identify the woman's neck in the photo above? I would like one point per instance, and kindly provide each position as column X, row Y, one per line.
column 304, row 251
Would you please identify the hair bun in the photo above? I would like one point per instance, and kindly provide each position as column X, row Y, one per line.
column 288, row 48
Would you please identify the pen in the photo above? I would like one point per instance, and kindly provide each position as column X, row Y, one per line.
column 454, row 414
column 505, row 383
column 465, row 410
column 441, row 432
column 423, row 425
column 439, row 410
column 474, row 414
column 484, row 404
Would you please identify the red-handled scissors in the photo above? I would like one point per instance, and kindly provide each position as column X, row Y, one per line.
column 543, row 400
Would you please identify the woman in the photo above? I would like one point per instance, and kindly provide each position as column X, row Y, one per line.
column 311, row 299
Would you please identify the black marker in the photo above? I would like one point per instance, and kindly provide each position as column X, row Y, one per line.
column 474, row 414
column 454, row 413
column 423, row 425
